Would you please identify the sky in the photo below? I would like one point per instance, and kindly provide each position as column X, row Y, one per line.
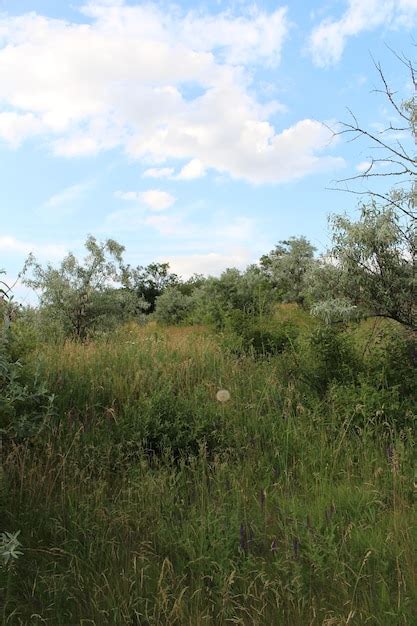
column 193, row 133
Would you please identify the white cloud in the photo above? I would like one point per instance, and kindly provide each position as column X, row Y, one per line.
column 363, row 166
column 64, row 200
column 157, row 200
column 329, row 38
column 211, row 263
column 190, row 171
column 239, row 229
column 16, row 127
column 153, row 199
column 159, row 172
column 122, row 80
column 9, row 244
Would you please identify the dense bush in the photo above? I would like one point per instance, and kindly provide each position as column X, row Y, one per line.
column 246, row 334
column 327, row 355
column 173, row 306
column 25, row 404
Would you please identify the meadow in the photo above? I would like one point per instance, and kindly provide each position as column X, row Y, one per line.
column 144, row 500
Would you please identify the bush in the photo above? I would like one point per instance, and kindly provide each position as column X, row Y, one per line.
column 261, row 337
column 173, row 306
column 24, row 406
column 329, row 356
column 365, row 406
column 389, row 354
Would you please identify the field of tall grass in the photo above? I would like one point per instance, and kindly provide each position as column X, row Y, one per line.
column 146, row 501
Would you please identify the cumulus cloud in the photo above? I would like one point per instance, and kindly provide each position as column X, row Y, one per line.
column 172, row 89
column 16, row 127
column 193, row 169
column 329, row 38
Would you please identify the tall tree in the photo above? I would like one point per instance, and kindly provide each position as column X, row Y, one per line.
column 287, row 265
column 376, row 259
column 149, row 282
column 69, row 291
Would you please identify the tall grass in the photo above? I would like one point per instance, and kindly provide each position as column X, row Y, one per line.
column 147, row 502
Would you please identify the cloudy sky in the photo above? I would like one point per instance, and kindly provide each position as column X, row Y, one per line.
column 189, row 132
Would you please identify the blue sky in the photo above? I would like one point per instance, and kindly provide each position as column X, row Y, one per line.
column 189, row 132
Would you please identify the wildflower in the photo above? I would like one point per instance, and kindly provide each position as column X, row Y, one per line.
column 223, row 395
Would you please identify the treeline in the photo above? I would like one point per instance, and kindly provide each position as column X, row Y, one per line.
column 369, row 271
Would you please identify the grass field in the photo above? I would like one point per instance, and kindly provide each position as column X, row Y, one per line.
column 145, row 501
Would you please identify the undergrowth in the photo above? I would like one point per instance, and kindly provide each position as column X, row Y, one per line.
column 145, row 501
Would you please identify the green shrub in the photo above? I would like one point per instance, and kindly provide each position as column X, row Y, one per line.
column 172, row 306
column 328, row 356
column 247, row 334
column 25, row 406
column 389, row 354
column 363, row 405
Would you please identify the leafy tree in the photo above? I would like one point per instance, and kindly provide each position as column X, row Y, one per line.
column 377, row 263
column 173, row 305
column 286, row 267
column 149, row 282
column 71, row 292
column 376, row 256
column 217, row 298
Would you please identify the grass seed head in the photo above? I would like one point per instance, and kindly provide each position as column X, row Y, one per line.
column 223, row 395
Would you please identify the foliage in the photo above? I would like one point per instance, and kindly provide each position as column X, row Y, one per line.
column 246, row 334
column 329, row 356
column 148, row 283
column 292, row 503
column 335, row 310
column 249, row 292
column 377, row 262
column 9, row 547
column 376, row 256
column 173, row 306
column 366, row 406
column 281, row 506
column 24, row 406
column 71, row 294
column 287, row 266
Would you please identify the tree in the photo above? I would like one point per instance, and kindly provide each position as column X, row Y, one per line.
column 70, row 293
column 149, row 282
column 392, row 150
column 216, row 298
column 173, row 306
column 286, row 267
column 375, row 263
column 376, row 257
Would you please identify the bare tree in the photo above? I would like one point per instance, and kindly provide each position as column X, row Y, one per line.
column 374, row 259
column 392, row 149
